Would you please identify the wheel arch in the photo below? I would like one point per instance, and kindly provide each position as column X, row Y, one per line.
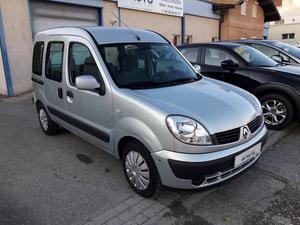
column 276, row 88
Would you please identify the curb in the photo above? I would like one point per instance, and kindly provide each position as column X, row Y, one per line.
column 17, row 99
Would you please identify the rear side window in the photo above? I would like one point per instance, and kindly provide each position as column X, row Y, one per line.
column 54, row 61
column 37, row 60
column 191, row 54
column 81, row 62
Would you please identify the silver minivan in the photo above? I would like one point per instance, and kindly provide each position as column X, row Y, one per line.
column 132, row 94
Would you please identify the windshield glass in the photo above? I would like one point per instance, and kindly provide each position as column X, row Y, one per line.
column 146, row 65
column 287, row 48
column 254, row 57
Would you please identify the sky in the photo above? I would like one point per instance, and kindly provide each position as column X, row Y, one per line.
column 290, row 8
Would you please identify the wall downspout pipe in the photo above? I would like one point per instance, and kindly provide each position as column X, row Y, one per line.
column 9, row 85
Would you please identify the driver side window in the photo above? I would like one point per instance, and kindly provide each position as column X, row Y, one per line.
column 81, row 62
column 214, row 57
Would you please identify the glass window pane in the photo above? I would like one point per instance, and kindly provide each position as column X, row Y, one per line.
column 37, row 60
column 54, row 61
column 214, row 57
column 81, row 62
column 190, row 54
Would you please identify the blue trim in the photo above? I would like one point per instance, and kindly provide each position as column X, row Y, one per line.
column 119, row 17
column 75, row 3
column 30, row 17
column 182, row 29
column 100, row 16
column 9, row 85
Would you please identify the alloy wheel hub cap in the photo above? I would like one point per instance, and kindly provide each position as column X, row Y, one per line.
column 274, row 112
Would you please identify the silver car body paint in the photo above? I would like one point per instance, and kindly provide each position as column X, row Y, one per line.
column 141, row 114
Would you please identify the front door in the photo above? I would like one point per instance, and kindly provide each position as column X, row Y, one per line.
column 88, row 112
column 211, row 67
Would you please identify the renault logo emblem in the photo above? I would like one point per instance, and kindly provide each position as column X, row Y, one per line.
column 245, row 132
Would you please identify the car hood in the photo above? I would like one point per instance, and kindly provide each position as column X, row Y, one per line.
column 285, row 69
column 216, row 105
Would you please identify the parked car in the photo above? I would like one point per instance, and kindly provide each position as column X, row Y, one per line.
column 276, row 86
column 280, row 52
column 132, row 94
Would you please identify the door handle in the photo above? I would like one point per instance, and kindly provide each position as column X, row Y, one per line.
column 70, row 96
column 60, row 92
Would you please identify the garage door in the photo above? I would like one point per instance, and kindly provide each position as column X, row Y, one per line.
column 47, row 15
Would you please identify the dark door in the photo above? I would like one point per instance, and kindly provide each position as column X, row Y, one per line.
column 212, row 58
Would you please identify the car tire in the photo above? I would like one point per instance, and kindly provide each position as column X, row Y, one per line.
column 139, row 169
column 272, row 104
column 48, row 126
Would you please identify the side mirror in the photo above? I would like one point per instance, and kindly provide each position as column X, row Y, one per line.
column 87, row 82
column 229, row 64
column 197, row 68
column 277, row 58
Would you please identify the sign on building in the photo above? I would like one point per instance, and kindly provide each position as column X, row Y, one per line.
column 169, row 7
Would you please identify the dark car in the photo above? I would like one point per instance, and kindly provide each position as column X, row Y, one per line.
column 279, row 51
column 276, row 86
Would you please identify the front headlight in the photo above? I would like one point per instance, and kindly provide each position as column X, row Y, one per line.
column 188, row 130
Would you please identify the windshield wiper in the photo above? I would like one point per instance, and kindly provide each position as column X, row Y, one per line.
column 143, row 84
column 179, row 80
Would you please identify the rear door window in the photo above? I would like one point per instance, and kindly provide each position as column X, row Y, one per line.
column 37, row 60
column 191, row 54
column 54, row 61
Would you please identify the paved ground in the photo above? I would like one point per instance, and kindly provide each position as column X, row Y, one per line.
column 65, row 180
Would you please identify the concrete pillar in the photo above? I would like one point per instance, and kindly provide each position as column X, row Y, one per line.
column 18, row 39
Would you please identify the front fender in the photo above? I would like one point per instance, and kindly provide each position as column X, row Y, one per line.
column 132, row 127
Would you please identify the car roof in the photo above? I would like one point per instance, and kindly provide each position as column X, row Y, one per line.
column 221, row 43
column 108, row 35
column 255, row 41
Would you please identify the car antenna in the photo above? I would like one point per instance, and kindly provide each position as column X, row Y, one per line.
column 137, row 36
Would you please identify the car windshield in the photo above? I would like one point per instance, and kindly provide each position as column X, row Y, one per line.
column 146, row 65
column 294, row 51
column 254, row 57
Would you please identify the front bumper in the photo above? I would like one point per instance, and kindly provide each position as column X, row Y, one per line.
column 193, row 171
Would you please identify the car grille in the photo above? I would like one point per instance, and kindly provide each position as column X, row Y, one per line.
column 227, row 136
column 255, row 124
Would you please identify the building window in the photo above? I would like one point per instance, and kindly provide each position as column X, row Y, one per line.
column 176, row 39
column 254, row 10
column 188, row 39
column 244, row 9
column 288, row 36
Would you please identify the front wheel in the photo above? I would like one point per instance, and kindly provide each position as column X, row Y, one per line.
column 277, row 110
column 139, row 169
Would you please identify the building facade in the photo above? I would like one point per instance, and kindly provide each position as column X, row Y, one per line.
column 245, row 19
column 185, row 21
column 287, row 29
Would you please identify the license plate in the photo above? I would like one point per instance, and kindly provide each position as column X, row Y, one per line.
column 247, row 155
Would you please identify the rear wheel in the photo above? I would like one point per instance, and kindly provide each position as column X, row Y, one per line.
column 139, row 169
column 277, row 110
column 48, row 126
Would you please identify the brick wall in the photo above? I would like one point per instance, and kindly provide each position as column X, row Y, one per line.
column 237, row 26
